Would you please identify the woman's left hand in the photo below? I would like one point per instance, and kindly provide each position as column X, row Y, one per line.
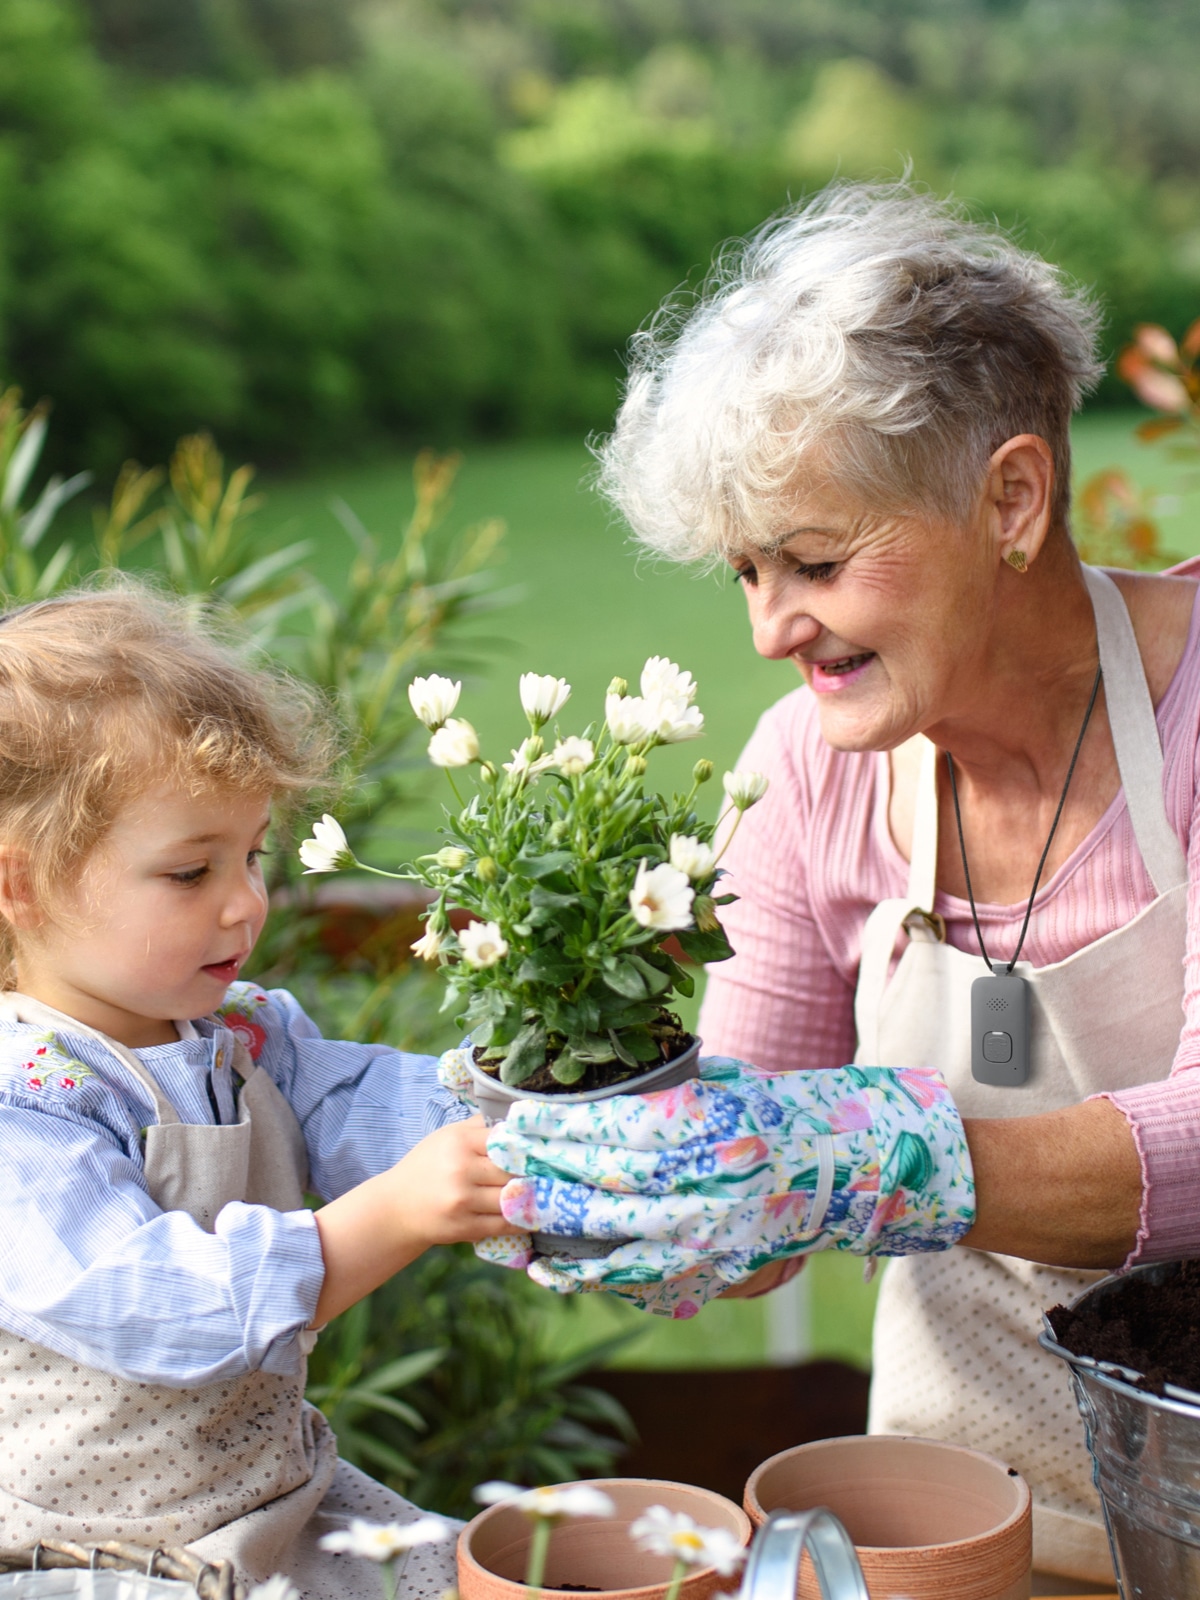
column 708, row 1182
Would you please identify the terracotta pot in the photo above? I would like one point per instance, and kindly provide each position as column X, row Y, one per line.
column 930, row 1521
column 494, row 1099
column 595, row 1555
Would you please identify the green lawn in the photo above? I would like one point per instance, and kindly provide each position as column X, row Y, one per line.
column 590, row 607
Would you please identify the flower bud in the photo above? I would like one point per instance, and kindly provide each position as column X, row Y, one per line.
column 451, row 857
column 487, row 771
column 534, row 746
column 619, row 687
column 487, row 869
column 702, row 771
column 704, row 910
column 745, row 789
column 635, row 767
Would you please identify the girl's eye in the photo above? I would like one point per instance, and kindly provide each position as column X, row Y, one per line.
column 192, row 875
column 256, row 856
column 816, row 571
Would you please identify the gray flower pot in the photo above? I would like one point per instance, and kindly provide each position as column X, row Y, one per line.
column 494, row 1099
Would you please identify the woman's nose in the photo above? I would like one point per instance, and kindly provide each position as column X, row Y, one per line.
column 779, row 623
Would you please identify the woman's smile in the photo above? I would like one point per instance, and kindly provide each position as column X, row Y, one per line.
column 837, row 673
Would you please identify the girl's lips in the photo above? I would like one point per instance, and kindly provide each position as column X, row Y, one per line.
column 225, row 971
column 829, row 677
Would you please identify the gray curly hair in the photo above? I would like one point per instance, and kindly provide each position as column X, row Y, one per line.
column 873, row 337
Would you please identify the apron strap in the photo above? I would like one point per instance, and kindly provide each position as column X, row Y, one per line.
column 1139, row 761
column 23, row 1008
column 1135, row 734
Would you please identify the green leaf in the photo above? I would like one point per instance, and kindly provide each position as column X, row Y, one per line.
column 370, row 1401
column 567, row 1067
column 543, row 899
column 525, row 1055
column 374, row 1449
column 542, row 866
column 705, row 946
column 547, row 965
column 406, row 1370
column 656, row 980
column 591, row 1047
column 634, row 1047
column 623, row 978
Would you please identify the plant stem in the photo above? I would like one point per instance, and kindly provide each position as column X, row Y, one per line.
column 454, row 786
column 539, row 1545
column 407, row 877
column 677, row 1577
column 737, row 824
column 390, row 1573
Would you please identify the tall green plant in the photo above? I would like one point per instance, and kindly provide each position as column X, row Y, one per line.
column 29, row 568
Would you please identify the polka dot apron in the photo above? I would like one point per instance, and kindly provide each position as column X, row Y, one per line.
column 955, row 1353
column 243, row 1469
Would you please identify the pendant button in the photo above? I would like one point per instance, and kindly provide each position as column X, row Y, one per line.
column 997, row 1047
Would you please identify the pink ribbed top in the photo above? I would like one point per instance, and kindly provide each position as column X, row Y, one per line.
column 812, row 859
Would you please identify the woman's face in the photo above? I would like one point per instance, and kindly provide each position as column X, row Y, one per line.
column 887, row 617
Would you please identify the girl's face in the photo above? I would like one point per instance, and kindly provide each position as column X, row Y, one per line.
column 886, row 617
column 166, row 910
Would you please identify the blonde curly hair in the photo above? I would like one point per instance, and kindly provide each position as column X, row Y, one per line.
column 107, row 692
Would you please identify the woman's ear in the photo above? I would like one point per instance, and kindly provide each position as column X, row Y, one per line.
column 17, row 904
column 1019, row 499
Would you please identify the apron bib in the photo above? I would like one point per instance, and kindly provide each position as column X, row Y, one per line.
column 955, row 1348
column 243, row 1469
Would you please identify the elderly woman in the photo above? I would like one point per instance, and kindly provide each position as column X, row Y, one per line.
column 990, row 772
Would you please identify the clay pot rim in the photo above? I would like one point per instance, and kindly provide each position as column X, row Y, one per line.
column 748, row 1530
column 1020, row 1512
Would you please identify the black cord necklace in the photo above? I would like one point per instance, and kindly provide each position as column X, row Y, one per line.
column 1000, row 1003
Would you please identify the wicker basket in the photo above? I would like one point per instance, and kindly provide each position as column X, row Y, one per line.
column 213, row 1580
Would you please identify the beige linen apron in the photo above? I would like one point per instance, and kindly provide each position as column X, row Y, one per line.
column 955, row 1352
column 244, row 1468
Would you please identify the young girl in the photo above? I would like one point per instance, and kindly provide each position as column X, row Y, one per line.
column 161, row 1281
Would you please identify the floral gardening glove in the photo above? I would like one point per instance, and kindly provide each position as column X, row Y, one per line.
column 507, row 1249
column 701, row 1185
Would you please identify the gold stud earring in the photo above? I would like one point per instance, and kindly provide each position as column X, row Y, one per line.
column 1016, row 560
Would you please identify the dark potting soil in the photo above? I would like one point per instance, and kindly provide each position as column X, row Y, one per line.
column 1153, row 1329
column 672, row 1042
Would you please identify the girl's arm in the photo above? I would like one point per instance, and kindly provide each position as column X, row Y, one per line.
column 445, row 1191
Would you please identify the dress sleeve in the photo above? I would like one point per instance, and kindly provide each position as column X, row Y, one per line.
column 781, row 1002
column 362, row 1107
column 92, row 1268
column 1164, row 1116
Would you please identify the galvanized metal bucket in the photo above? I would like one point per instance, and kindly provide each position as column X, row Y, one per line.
column 1146, row 1462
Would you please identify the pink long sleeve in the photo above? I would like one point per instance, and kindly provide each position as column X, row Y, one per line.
column 812, row 859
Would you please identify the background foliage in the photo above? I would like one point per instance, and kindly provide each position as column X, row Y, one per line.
column 316, row 224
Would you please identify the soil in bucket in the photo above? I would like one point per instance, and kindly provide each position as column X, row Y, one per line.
column 1151, row 1328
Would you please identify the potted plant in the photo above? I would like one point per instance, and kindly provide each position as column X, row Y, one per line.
column 583, row 887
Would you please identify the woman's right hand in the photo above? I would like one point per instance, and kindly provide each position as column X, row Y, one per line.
column 713, row 1180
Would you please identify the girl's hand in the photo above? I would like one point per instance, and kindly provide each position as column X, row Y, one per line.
column 445, row 1191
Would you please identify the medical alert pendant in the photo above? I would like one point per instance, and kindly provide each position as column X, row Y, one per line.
column 1000, row 1030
